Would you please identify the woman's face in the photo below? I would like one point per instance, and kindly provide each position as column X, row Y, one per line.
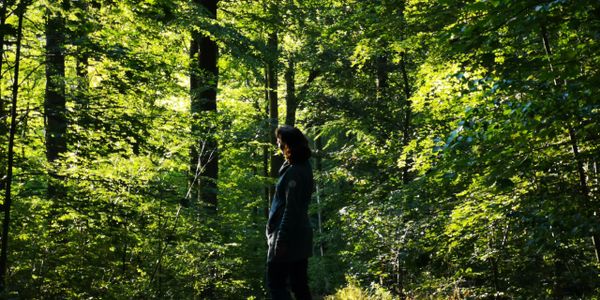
column 279, row 144
column 282, row 147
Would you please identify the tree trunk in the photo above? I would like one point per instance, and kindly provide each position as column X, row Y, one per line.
column 275, row 158
column 2, row 23
column 320, row 195
column 583, row 187
column 266, row 137
column 82, row 56
column 304, row 89
column 13, row 124
column 81, row 93
column 290, row 96
column 55, row 100
column 204, row 77
column 583, row 184
column 406, row 128
column 4, row 129
column 382, row 77
column 319, row 192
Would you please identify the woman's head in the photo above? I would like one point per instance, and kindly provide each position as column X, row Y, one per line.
column 293, row 144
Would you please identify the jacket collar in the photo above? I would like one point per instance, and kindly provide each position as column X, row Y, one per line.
column 286, row 164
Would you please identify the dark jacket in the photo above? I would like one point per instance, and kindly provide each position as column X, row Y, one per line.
column 288, row 225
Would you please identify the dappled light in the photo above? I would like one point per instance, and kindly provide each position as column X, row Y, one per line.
column 424, row 149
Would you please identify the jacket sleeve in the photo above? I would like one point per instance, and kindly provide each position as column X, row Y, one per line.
column 291, row 210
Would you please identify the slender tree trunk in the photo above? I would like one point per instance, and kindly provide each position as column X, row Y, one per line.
column 557, row 286
column 583, row 184
column 583, row 187
column 293, row 98
column 266, row 128
column 55, row 100
column 399, row 282
column 382, row 83
column 5, row 4
column 406, row 128
column 312, row 75
column 275, row 158
column 81, row 93
column 290, row 96
column 2, row 23
column 82, row 56
column 4, row 129
column 13, row 124
column 204, row 77
column 319, row 193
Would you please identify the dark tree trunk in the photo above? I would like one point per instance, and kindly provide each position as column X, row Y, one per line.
column 583, row 187
column 293, row 98
column 406, row 128
column 82, row 55
column 55, row 100
column 81, row 94
column 3, row 113
column 573, row 139
column 275, row 159
column 304, row 88
column 290, row 97
column 319, row 193
column 2, row 23
column 13, row 123
column 382, row 77
column 204, row 77
column 266, row 128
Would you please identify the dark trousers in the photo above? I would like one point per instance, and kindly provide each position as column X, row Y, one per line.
column 278, row 274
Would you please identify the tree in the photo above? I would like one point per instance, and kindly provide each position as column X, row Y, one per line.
column 272, row 83
column 6, row 206
column 203, row 89
column 55, row 111
column 4, row 128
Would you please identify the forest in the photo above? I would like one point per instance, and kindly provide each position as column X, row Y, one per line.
column 455, row 146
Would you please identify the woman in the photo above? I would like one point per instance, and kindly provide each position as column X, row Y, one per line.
column 289, row 234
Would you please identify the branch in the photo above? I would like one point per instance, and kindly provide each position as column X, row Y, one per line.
column 311, row 77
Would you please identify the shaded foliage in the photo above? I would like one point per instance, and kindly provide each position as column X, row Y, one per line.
column 455, row 142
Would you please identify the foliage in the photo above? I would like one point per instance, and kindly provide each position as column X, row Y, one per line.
column 456, row 149
column 353, row 292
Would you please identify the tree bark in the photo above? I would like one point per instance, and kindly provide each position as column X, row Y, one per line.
column 266, row 137
column 82, row 55
column 204, row 167
column 290, row 97
column 294, row 98
column 4, row 129
column 301, row 95
column 406, row 128
column 55, row 100
column 583, row 184
column 319, row 192
column 382, row 76
column 2, row 23
column 81, row 97
column 583, row 187
column 272, row 63
column 13, row 124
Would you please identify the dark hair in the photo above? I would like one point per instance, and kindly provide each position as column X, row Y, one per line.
column 297, row 145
